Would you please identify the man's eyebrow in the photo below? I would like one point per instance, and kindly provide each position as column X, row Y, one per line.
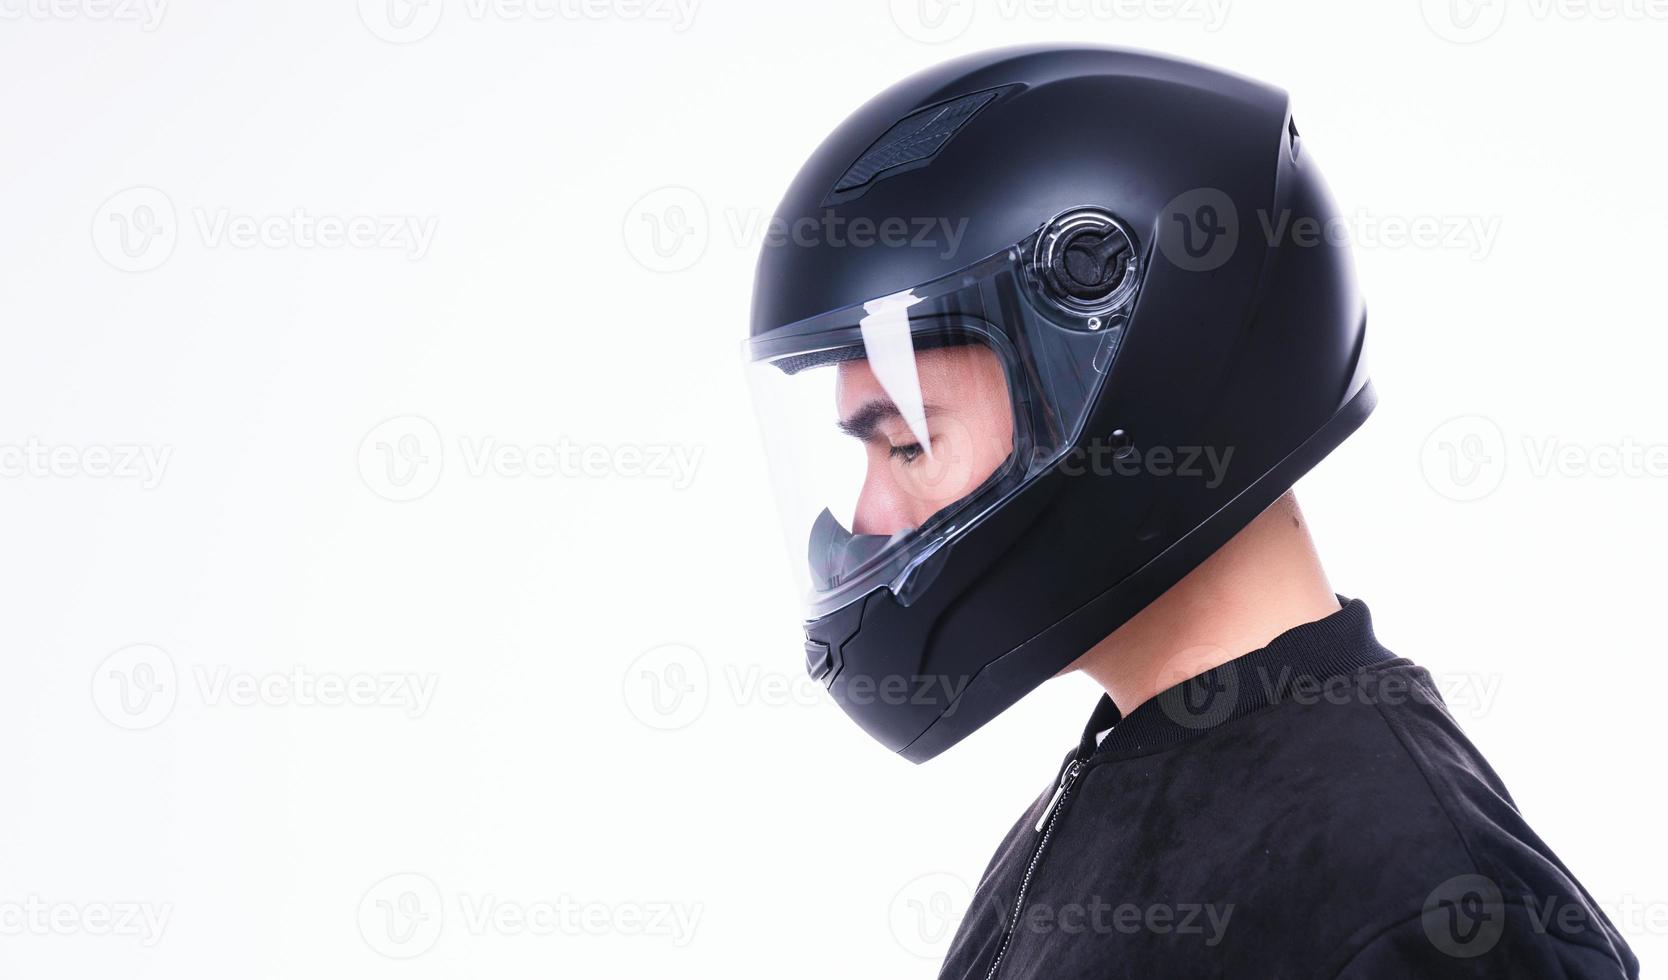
column 862, row 423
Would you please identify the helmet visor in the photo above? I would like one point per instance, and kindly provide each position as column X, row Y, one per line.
column 892, row 425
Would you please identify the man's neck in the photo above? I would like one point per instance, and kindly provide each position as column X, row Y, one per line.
column 1264, row 581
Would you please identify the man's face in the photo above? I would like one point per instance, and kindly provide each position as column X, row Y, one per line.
column 969, row 433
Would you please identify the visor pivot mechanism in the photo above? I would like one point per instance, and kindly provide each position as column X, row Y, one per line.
column 1085, row 264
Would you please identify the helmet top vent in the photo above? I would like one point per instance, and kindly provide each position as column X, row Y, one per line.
column 910, row 143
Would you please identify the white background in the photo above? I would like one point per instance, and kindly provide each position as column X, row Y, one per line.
column 561, row 622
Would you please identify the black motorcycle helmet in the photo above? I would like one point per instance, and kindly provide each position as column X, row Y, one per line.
column 1006, row 313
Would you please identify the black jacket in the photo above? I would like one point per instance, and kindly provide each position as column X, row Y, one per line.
column 1307, row 810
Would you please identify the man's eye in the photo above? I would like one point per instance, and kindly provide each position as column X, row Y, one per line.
column 907, row 453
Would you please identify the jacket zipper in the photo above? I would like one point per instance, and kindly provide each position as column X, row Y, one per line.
column 1045, row 826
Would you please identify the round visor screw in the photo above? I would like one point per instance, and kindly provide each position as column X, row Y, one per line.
column 1094, row 323
column 1122, row 445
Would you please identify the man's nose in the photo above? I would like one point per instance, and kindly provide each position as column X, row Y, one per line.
column 881, row 507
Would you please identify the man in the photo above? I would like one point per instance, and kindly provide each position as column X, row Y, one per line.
column 1038, row 359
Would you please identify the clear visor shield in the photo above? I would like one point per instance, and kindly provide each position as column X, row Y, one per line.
column 894, row 425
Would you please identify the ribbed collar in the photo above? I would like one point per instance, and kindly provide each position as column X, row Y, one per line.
column 1304, row 656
